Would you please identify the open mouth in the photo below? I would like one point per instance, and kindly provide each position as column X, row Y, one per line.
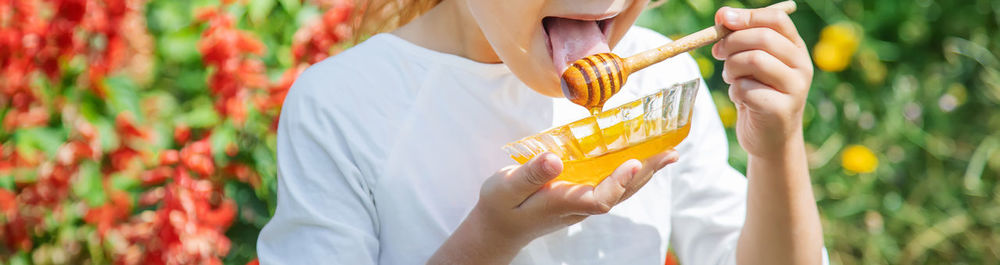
column 571, row 38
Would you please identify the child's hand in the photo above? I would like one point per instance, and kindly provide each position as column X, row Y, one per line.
column 522, row 201
column 769, row 70
column 518, row 204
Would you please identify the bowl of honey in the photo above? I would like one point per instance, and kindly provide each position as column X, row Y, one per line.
column 591, row 148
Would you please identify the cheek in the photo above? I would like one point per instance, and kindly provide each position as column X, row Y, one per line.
column 507, row 23
column 625, row 20
column 513, row 29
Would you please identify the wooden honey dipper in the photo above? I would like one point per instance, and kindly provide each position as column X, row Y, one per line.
column 590, row 81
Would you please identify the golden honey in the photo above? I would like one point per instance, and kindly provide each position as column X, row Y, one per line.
column 592, row 171
column 593, row 147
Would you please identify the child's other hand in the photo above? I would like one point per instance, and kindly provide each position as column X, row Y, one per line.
column 519, row 203
column 769, row 70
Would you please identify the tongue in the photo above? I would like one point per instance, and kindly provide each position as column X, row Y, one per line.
column 573, row 39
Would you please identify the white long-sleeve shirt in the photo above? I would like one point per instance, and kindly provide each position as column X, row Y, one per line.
column 383, row 148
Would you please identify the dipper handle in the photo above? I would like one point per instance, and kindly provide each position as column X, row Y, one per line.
column 689, row 42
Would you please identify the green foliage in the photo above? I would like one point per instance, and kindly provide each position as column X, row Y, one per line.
column 920, row 93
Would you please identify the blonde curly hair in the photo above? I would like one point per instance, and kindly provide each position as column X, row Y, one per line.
column 376, row 16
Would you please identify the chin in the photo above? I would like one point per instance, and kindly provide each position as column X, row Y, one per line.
column 534, row 68
column 548, row 89
column 545, row 81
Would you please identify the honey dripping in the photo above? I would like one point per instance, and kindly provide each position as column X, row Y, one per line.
column 595, row 110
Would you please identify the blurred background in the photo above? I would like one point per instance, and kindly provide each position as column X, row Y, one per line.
column 142, row 131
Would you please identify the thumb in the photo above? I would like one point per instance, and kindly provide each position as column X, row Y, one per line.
column 733, row 18
column 531, row 176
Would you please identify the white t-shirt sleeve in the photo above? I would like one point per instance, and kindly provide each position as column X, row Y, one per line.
column 325, row 212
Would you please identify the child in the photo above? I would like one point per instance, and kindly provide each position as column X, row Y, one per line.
column 389, row 153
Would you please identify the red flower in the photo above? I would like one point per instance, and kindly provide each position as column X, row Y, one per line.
column 16, row 233
column 243, row 173
column 671, row 258
column 155, row 176
column 125, row 124
column 185, row 214
column 169, row 157
column 181, row 134
column 200, row 147
column 230, row 52
column 122, row 158
column 109, row 214
column 8, row 202
column 200, row 164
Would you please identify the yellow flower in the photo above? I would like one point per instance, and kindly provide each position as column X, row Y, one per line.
column 858, row 159
column 873, row 68
column 840, row 34
column 727, row 113
column 837, row 43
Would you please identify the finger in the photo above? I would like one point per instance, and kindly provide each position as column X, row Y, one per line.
column 577, row 199
column 739, row 19
column 649, row 167
column 574, row 218
column 611, row 190
column 561, row 197
column 749, row 93
column 761, row 39
column 528, row 178
column 761, row 66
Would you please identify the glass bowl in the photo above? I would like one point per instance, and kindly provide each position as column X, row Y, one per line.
column 591, row 148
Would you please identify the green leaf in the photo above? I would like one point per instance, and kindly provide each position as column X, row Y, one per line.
column 25, row 175
column 165, row 104
column 306, row 15
column 180, row 46
column 259, row 10
column 221, row 137
column 123, row 182
column 88, row 184
column 122, row 96
column 265, row 166
column 284, row 55
column 237, row 11
column 168, row 16
column 190, row 81
column 196, row 4
column 94, row 247
column 89, row 107
column 21, row 258
column 106, row 130
column 7, row 182
column 252, row 209
column 47, row 140
column 201, row 115
column 703, row 7
column 290, row 6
